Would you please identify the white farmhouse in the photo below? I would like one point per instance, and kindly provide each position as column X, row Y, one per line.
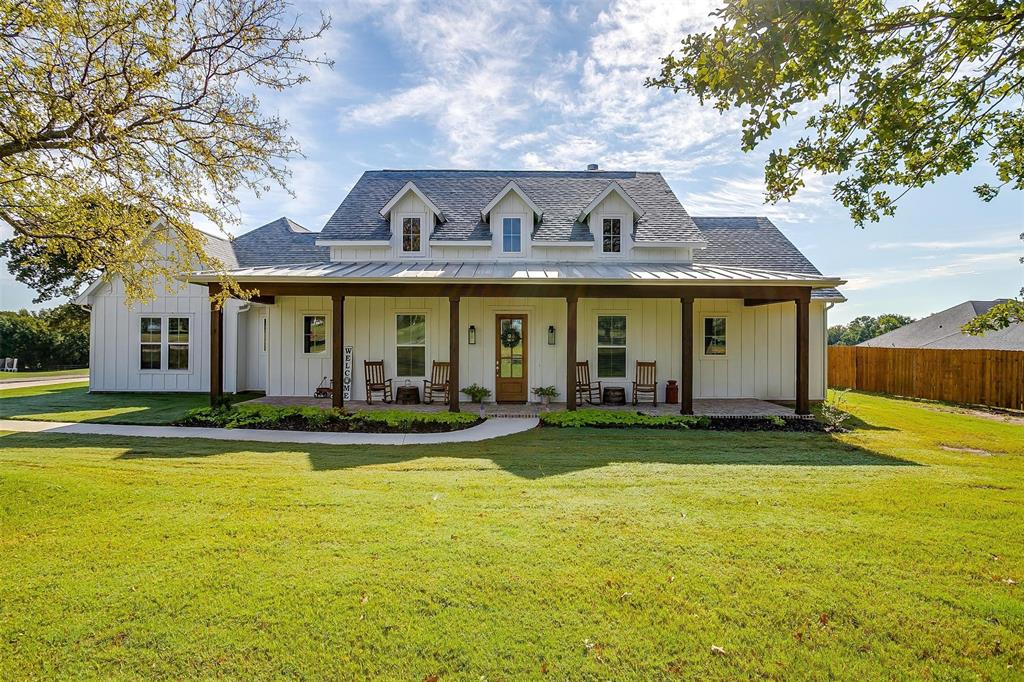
column 512, row 277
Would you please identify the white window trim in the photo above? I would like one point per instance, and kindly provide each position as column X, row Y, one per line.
column 326, row 353
column 523, row 238
column 597, row 363
column 426, row 342
column 164, row 343
column 599, row 237
column 264, row 333
column 728, row 336
column 423, row 237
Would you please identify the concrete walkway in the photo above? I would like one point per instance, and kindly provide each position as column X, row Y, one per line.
column 492, row 428
column 47, row 381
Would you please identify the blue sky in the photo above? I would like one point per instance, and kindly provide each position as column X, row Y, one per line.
column 529, row 84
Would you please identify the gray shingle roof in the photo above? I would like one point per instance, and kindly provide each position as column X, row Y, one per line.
column 942, row 330
column 462, row 194
column 750, row 242
column 279, row 242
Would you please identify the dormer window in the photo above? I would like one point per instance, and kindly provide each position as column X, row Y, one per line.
column 412, row 239
column 511, row 235
column 611, row 235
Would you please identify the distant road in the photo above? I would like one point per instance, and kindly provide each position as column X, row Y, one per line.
column 7, row 383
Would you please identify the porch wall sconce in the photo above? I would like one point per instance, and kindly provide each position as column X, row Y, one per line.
column 472, row 335
column 551, row 335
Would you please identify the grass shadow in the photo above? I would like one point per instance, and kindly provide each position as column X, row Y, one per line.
column 531, row 455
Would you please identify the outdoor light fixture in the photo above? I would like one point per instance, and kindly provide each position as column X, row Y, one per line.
column 551, row 335
column 472, row 335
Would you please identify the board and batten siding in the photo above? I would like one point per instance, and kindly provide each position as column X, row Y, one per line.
column 114, row 353
column 760, row 362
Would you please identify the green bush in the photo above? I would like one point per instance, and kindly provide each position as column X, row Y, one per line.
column 616, row 419
column 296, row 418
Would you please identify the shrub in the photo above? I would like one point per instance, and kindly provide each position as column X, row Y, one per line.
column 545, row 392
column 833, row 412
column 476, row 392
column 289, row 418
column 614, row 419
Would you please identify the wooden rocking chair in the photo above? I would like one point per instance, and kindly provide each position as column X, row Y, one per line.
column 437, row 384
column 646, row 382
column 585, row 388
column 373, row 370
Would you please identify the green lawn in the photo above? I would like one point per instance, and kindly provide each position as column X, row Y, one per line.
column 891, row 552
column 72, row 402
column 8, row 377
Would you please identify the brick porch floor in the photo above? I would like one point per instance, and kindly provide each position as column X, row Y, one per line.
column 717, row 407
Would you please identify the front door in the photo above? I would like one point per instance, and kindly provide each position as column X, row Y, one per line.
column 511, row 381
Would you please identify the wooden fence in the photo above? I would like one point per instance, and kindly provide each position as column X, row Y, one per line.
column 977, row 377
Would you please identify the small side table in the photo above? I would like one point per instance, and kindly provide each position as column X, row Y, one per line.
column 614, row 395
column 407, row 395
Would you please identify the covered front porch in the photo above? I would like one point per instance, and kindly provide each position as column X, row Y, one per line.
column 768, row 356
column 711, row 407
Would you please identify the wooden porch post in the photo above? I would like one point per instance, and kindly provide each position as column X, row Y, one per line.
column 216, row 349
column 803, row 344
column 570, row 352
column 686, row 384
column 453, row 353
column 338, row 349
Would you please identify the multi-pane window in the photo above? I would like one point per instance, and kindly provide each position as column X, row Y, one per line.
column 714, row 336
column 411, row 242
column 611, row 346
column 511, row 235
column 314, row 334
column 611, row 235
column 177, row 342
column 411, row 345
column 163, row 339
column 151, row 339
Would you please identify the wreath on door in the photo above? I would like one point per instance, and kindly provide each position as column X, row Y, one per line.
column 511, row 337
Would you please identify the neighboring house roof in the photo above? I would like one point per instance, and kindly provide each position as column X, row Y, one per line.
column 942, row 330
column 490, row 271
column 756, row 243
column 461, row 195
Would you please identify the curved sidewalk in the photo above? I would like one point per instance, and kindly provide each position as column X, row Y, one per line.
column 492, row 428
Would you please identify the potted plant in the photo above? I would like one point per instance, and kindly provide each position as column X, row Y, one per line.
column 477, row 394
column 545, row 393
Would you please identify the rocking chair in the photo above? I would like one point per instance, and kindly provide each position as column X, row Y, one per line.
column 585, row 388
column 437, row 384
column 646, row 382
column 373, row 370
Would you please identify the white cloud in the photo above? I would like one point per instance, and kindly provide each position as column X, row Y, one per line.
column 745, row 196
column 1002, row 240
column 963, row 265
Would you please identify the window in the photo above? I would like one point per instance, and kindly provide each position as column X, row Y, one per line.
column 157, row 333
column 177, row 343
column 611, row 346
column 264, row 334
column 714, row 336
column 511, row 235
column 411, row 242
column 314, row 334
column 611, row 235
column 150, row 338
column 411, row 345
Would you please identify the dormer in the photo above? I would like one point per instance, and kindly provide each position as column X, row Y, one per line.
column 612, row 217
column 412, row 216
column 512, row 216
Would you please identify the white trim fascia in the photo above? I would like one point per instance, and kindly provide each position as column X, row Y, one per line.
column 562, row 244
column 512, row 187
column 83, row 298
column 411, row 187
column 613, row 186
column 353, row 242
column 460, row 242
